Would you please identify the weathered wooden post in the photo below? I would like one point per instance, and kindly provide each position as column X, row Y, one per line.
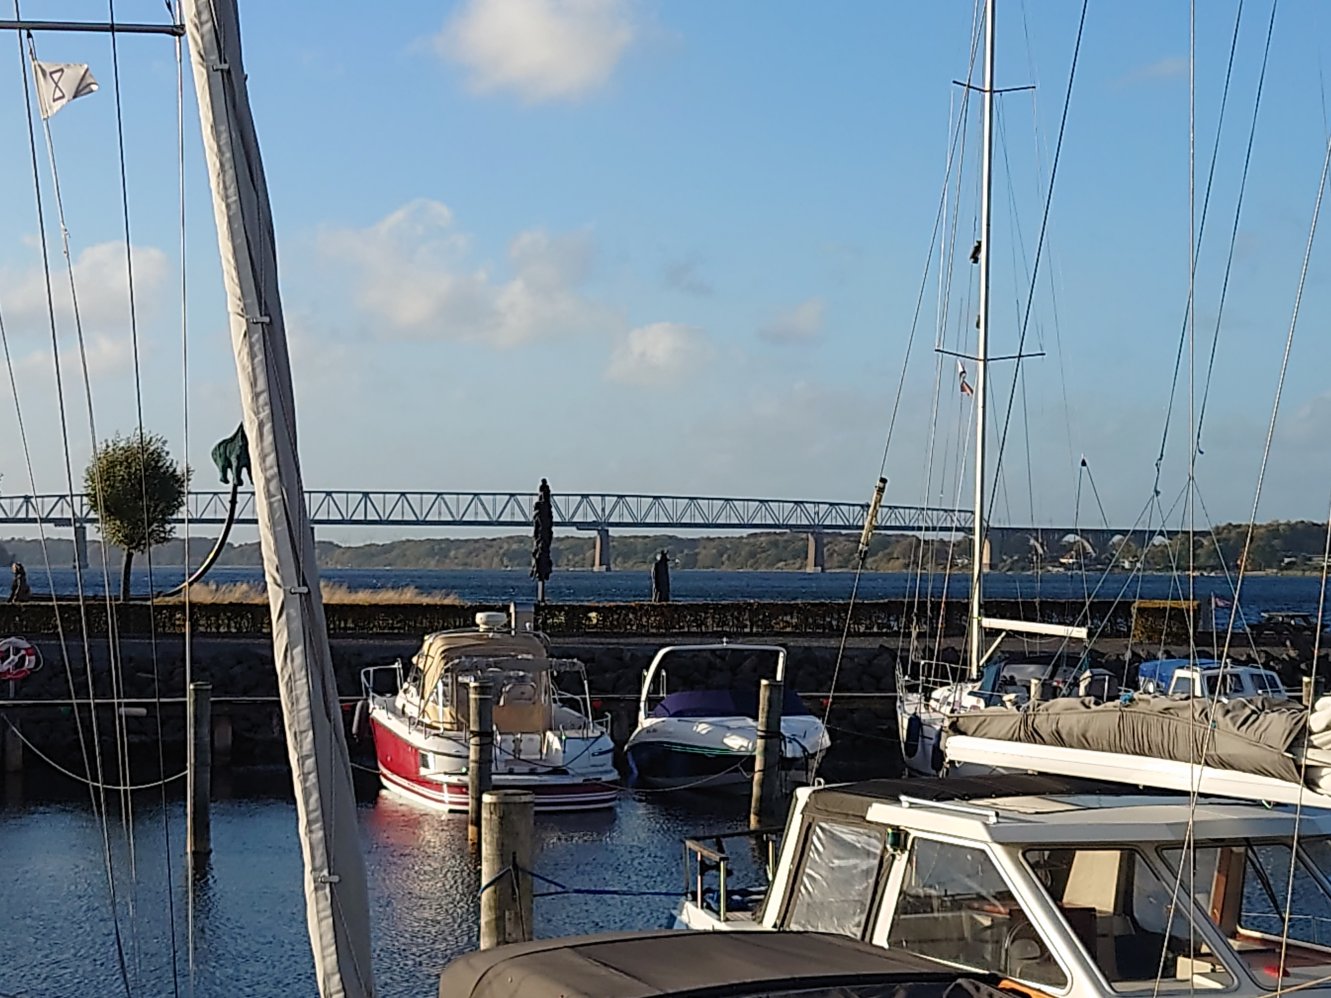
column 1037, row 690
column 480, row 753
column 199, row 769
column 1312, row 689
column 506, row 901
column 767, row 755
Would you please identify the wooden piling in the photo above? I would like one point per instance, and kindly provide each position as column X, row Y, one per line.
column 199, row 770
column 506, row 861
column 480, row 753
column 764, row 804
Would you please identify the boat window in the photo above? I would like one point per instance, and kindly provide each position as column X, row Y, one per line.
column 1124, row 916
column 1182, row 686
column 955, row 906
column 1245, row 890
column 837, row 879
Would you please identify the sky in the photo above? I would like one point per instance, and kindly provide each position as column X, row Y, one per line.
column 677, row 247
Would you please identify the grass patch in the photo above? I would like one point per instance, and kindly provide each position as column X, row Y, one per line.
column 333, row 592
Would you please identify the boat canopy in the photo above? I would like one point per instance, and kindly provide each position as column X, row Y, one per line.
column 717, row 964
column 724, row 703
column 442, row 648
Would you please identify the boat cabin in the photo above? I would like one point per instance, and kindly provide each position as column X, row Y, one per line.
column 1068, row 886
column 1209, row 678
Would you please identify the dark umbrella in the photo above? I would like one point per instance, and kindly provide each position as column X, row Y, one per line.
column 543, row 535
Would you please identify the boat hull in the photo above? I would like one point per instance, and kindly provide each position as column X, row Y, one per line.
column 401, row 775
column 679, row 767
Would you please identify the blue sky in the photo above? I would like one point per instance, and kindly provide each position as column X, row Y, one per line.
column 676, row 247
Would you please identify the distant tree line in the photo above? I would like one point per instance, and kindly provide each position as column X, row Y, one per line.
column 1280, row 546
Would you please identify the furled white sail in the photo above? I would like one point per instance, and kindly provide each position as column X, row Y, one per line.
column 335, row 887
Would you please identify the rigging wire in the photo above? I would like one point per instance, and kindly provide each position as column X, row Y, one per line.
column 119, row 721
column 1044, row 230
column 98, row 798
column 143, row 447
column 1238, row 211
column 1199, row 228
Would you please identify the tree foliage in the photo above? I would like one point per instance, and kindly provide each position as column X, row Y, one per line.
column 135, row 489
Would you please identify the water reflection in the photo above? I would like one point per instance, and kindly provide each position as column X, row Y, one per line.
column 249, row 934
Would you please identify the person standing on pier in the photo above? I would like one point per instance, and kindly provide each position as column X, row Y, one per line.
column 661, row 579
column 18, row 589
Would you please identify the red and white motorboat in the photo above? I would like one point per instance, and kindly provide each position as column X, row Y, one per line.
column 545, row 739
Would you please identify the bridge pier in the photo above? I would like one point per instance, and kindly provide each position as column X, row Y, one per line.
column 80, row 546
column 816, row 561
column 601, row 554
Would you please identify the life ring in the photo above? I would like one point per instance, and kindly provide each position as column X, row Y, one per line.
column 911, row 744
column 18, row 659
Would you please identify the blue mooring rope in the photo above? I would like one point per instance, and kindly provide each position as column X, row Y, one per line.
column 563, row 889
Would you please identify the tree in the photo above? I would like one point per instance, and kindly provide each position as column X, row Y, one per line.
column 135, row 489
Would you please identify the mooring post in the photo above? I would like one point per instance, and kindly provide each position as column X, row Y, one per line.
column 506, row 899
column 767, row 755
column 199, row 769
column 480, row 753
column 13, row 743
column 1037, row 690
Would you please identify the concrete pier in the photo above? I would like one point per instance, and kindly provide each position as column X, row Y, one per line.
column 601, row 554
column 817, row 557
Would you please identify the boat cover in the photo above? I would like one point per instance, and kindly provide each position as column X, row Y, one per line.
column 648, row 964
column 1250, row 736
column 723, row 703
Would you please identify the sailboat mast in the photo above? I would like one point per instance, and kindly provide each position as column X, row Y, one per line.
column 336, row 902
column 982, row 350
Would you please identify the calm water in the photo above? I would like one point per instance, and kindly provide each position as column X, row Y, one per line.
column 1260, row 592
column 249, row 922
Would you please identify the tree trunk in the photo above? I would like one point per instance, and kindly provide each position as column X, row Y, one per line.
column 124, row 576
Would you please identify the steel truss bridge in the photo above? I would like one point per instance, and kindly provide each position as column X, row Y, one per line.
column 583, row 511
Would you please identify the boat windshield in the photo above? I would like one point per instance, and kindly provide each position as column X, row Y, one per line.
column 955, row 906
column 1266, row 901
column 1123, row 915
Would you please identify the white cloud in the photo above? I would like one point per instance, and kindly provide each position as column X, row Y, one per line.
column 540, row 50
column 661, row 353
column 796, row 325
column 101, row 282
column 409, row 271
column 1169, row 68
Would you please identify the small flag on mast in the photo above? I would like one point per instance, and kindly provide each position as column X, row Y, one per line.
column 58, row 83
column 966, row 389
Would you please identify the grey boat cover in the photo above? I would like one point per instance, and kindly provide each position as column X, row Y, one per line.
column 650, row 964
column 1249, row 736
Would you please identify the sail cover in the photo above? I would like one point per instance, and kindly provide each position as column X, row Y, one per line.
column 1249, row 736
column 335, row 888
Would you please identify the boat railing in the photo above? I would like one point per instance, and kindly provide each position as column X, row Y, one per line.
column 708, row 855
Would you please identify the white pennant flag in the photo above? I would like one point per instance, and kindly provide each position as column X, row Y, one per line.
column 58, row 83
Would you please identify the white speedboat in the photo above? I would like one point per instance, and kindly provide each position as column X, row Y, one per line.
column 1061, row 886
column 706, row 739
column 544, row 737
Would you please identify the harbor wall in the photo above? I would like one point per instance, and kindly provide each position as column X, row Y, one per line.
column 230, row 648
